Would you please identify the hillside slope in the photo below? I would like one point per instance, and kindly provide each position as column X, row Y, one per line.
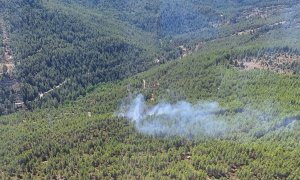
column 237, row 94
column 71, row 142
column 53, row 43
column 75, row 45
column 87, row 138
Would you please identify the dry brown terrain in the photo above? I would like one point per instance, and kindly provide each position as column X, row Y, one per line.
column 7, row 61
column 7, row 66
column 281, row 63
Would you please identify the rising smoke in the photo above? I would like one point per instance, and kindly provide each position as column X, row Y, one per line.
column 202, row 119
column 181, row 118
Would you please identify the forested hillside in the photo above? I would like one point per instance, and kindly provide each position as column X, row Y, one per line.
column 87, row 139
column 53, row 45
column 151, row 90
column 75, row 45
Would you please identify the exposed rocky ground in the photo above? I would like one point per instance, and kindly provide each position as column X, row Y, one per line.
column 283, row 63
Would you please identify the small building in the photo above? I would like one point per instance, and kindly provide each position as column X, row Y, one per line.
column 19, row 105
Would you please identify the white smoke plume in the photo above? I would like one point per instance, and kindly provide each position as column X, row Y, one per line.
column 181, row 118
column 206, row 119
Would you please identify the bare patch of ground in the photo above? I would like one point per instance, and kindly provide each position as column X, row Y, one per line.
column 283, row 63
column 7, row 59
column 7, row 66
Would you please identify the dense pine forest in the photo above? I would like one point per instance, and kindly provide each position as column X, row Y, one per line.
column 150, row 89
